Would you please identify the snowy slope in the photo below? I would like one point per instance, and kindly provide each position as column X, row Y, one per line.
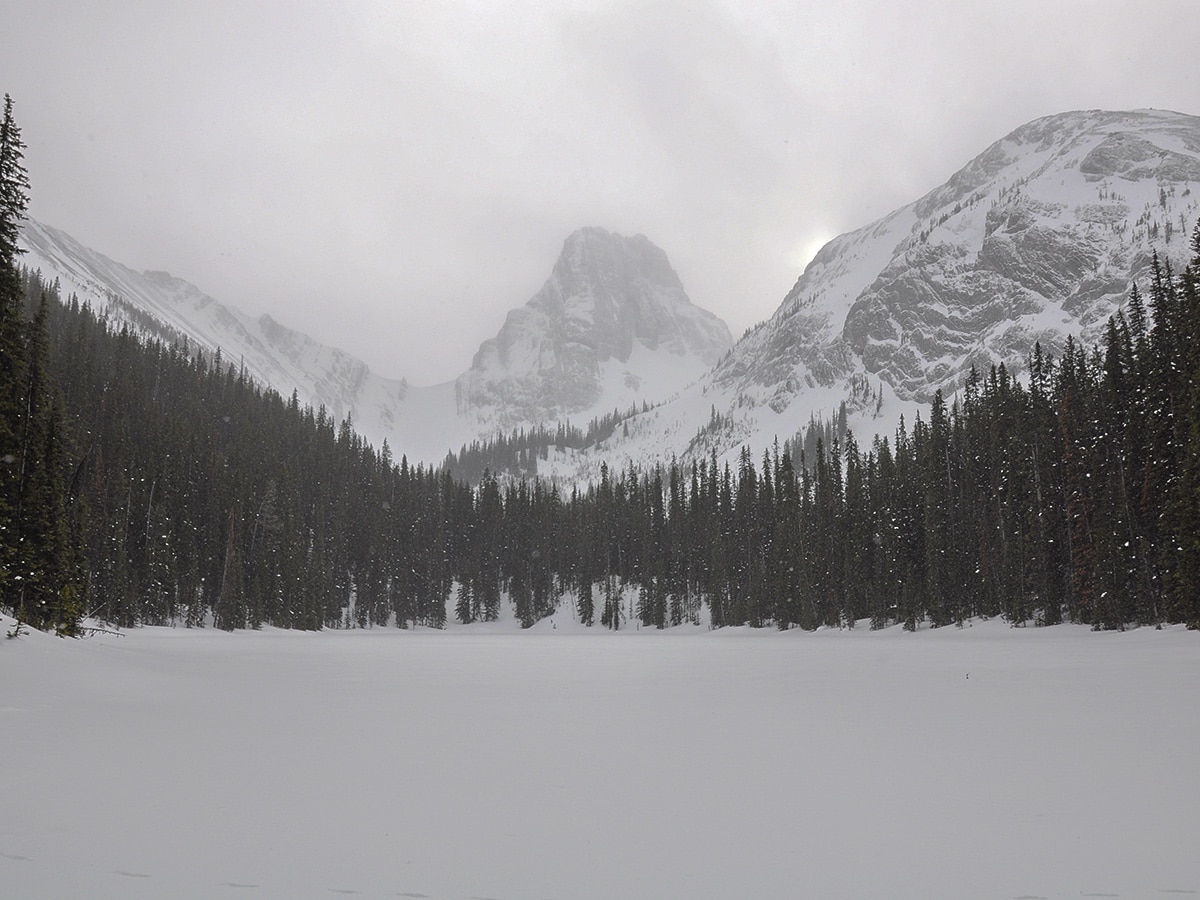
column 157, row 304
column 986, row 762
column 1037, row 238
column 612, row 328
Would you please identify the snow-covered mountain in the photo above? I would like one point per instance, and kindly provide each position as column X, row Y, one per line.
column 161, row 306
column 1037, row 238
column 611, row 328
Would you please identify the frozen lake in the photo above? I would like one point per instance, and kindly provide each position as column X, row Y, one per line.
column 983, row 762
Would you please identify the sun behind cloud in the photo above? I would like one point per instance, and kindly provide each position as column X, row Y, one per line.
column 808, row 247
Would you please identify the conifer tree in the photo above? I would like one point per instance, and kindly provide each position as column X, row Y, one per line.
column 33, row 552
column 38, row 559
column 14, row 185
column 1180, row 546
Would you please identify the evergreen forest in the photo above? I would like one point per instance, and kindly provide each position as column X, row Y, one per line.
column 145, row 482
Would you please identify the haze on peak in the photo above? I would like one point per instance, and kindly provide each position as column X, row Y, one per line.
column 393, row 178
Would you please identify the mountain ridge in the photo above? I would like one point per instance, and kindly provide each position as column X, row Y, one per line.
column 649, row 341
column 1037, row 238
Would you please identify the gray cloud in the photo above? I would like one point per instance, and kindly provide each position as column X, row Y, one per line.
column 392, row 177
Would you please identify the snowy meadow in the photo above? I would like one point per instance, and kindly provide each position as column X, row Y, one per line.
column 484, row 762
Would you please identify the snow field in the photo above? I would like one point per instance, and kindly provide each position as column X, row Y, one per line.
column 984, row 762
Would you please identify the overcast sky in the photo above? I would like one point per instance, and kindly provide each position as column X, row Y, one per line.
column 392, row 177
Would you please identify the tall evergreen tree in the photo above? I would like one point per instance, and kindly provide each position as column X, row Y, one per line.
column 33, row 534
column 39, row 557
column 1180, row 525
column 14, row 199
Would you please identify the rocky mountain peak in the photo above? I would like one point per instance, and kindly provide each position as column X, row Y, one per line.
column 612, row 319
column 1036, row 238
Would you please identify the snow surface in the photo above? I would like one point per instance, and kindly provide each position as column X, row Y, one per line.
column 983, row 762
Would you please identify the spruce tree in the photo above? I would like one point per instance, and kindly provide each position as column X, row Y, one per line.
column 39, row 558
column 33, row 533
column 14, row 199
column 1180, row 550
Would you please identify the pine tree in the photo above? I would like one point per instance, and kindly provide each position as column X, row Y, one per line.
column 33, row 532
column 14, row 190
column 1180, row 545
column 39, row 558
column 14, row 199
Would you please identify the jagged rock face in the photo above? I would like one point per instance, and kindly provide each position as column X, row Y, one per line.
column 612, row 316
column 1037, row 238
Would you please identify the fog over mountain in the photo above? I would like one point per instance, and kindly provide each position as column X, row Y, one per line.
column 1037, row 238
column 394, row 178
column 612, row 328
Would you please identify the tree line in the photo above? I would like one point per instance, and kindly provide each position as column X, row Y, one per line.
column 143, row 481
column 517, row 452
